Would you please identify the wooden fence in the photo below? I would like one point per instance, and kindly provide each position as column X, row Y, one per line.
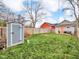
column 3, row 32
column 2, row 37
column 28, row 31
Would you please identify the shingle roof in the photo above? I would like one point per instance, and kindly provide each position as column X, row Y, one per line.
column 66, row 22
column 48, row 23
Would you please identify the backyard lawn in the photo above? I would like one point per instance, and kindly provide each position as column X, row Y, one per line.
column 44, row 46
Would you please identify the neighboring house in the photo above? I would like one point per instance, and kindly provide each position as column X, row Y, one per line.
column 48, row 26
column 66, row 27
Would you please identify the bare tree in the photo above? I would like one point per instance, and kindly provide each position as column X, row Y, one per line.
column 5, row 11
column 34, row 11
column 75, row 6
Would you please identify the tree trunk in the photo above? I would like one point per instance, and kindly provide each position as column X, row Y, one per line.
column 77, row 30
column 33, row 27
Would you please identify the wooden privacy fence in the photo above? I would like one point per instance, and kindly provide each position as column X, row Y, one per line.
column 28, row 31
column 3, row 32
column 2, row 37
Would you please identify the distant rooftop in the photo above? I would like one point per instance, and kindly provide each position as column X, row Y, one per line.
column 66, row 22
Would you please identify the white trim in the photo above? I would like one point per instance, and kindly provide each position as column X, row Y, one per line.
column 21, row 34
column 16, row 44
column 7, row 35
column 11, row 34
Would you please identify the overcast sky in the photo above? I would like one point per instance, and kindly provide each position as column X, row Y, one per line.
column 53, row 8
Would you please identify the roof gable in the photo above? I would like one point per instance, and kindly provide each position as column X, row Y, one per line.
column 65, row 22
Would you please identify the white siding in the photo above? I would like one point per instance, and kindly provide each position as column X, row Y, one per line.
column 66, row 28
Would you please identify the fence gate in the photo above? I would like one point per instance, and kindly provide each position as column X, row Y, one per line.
column 15, row 34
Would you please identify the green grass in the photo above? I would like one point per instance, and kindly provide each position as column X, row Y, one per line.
column 44, row 46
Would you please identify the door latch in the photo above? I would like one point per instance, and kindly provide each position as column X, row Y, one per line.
column 12, row 32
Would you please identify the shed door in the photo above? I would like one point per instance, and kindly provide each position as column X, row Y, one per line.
column 16, row 34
